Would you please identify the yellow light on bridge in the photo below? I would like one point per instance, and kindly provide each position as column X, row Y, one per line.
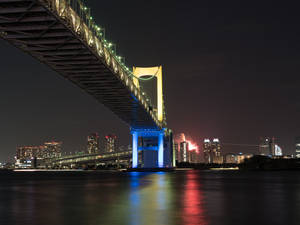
column 152, row 71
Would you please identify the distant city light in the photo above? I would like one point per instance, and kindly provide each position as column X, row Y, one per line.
column 216, row 140
column 206, row 140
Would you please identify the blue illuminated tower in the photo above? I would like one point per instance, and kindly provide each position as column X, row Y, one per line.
column 156, row 147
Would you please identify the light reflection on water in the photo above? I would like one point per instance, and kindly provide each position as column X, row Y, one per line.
column 150, row 204
column 193, row 200
column 177, row 198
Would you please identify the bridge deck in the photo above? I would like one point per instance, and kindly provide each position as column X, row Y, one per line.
column 52, row 32
column 77, row 159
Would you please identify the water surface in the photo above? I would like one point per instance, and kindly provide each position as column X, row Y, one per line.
column 183, row 197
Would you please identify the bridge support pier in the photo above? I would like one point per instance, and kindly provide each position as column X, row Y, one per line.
column 135, row 156
column 151, row 140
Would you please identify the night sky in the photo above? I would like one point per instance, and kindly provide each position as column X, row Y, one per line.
column 230, row 71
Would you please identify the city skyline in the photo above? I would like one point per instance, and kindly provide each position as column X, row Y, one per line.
column 255, row 85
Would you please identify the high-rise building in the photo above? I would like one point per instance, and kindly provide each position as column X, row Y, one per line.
column 193, row 156
column 177, row 152
column 206, row 151
column 110, row 143
column 278, row 151
column 216, row 151
column 52, row 149
column 297, row 147
column 212, row 151
column 267, row 146
column 48, row 150
column 184, row 153
column 29, row 152
column 93, row 143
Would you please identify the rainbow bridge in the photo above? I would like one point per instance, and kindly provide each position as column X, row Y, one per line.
column 63, row 35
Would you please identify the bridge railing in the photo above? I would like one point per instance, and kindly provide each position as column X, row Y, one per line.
column 78, row 17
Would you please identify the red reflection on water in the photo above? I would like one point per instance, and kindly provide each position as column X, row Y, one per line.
column 193, row 200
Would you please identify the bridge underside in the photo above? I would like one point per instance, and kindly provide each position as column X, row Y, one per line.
column 33, row 27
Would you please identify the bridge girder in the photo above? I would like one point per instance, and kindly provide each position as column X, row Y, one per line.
column 54, row 37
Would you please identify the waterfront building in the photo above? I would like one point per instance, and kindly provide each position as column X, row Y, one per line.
column 184, row 153
column 267, row 147
column 48, row 150
column 216, row 151
column 177, row 152
column 278, row 150
column 110, row 143
column 297, row 147
column 230, row 158
column 206, row 151
column 93, row 143
column 25, row 153
column 236, row 158
column 52, row 149
column 264, row 148
column 241, row 157
column 212, row 151
column 193, row 156
column 33, row 156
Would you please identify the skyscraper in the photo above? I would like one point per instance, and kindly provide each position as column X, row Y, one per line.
column 206, row 151
column 52, row 149
column 110, row 143
column 278, row 150
column 297, row 147
column 212, row 151
column 184, row 153
column 193, row 156
column 177, row 152
column 267, row 146
column 93, row 143
column 216, row 151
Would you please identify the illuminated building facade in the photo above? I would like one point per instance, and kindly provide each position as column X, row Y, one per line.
column 48, row 150
column 241, row 157
column 264, row 147
column 93, row 143
column 184, row 153
column 297, row 147
column 212, row 151
column 110, row 143
column 194, row 156
column 230, row 158
column 216, row 151
column 29, row 152
column 267, row 147
column 177, row 152
column 206, row 151
column 236, row 158
column 52, row 149
column 278, row 150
